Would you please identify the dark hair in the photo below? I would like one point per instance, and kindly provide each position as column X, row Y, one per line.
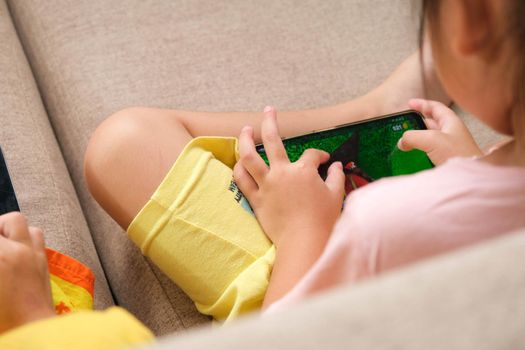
column 515, row 31
column 429, row 13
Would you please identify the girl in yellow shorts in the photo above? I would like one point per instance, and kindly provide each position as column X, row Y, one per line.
column 175, row 190
column 179, row 194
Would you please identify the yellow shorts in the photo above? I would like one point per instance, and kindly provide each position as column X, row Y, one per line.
column 200, row 230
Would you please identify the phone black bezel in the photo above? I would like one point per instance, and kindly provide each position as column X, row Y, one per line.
column 420, row 122
column 3, row 163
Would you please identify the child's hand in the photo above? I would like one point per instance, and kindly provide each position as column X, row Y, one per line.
column 25, row 292
column 290, row 200
column 446, row 136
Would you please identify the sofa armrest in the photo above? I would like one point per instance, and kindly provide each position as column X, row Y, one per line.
column 471, row 298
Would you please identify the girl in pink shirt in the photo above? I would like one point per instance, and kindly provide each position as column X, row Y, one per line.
column 478, row 54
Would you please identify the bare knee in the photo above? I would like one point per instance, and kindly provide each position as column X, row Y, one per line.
column 117, row 158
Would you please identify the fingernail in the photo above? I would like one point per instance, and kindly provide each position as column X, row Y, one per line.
column 268, row 109
column 337, row 165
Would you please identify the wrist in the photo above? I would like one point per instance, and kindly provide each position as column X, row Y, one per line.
column 295, row 254
column 304, row 240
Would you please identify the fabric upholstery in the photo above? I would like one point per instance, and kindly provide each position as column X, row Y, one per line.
column 94, row 57
column 472, row 299
column 41, row 180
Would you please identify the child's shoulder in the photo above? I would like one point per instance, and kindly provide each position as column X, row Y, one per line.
column 451, row 185
column 401, row 219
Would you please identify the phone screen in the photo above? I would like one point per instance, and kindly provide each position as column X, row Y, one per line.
column 368, row 149
column 8, row 202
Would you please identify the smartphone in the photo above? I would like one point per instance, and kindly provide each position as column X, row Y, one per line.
column 8, row 202
column 367, row 149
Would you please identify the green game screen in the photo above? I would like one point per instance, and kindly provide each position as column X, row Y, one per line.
column 368, row 150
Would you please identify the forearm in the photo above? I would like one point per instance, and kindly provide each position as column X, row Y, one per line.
column 290, row 122
column 294, row 257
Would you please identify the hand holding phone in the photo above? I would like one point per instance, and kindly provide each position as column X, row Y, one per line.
column 295, row 207
column 447, row 136
column 288, row 198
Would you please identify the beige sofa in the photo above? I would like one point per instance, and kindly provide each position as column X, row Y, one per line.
column 67, row 65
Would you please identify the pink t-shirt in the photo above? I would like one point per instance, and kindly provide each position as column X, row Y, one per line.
column 397, row 221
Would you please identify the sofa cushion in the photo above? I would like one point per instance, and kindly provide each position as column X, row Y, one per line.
column 470, row 299
column 94, row 57
column 41, row 180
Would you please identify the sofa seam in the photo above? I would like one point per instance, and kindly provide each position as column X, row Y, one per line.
column 38, row 87
column 33, row 120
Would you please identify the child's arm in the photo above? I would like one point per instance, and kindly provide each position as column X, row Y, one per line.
column 290, row 122
column 404, row 83
column 295, row 207
column 446, row 136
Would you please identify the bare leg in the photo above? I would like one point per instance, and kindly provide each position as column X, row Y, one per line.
column 131, row 151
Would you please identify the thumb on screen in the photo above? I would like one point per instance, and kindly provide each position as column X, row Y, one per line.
column 424, row 140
